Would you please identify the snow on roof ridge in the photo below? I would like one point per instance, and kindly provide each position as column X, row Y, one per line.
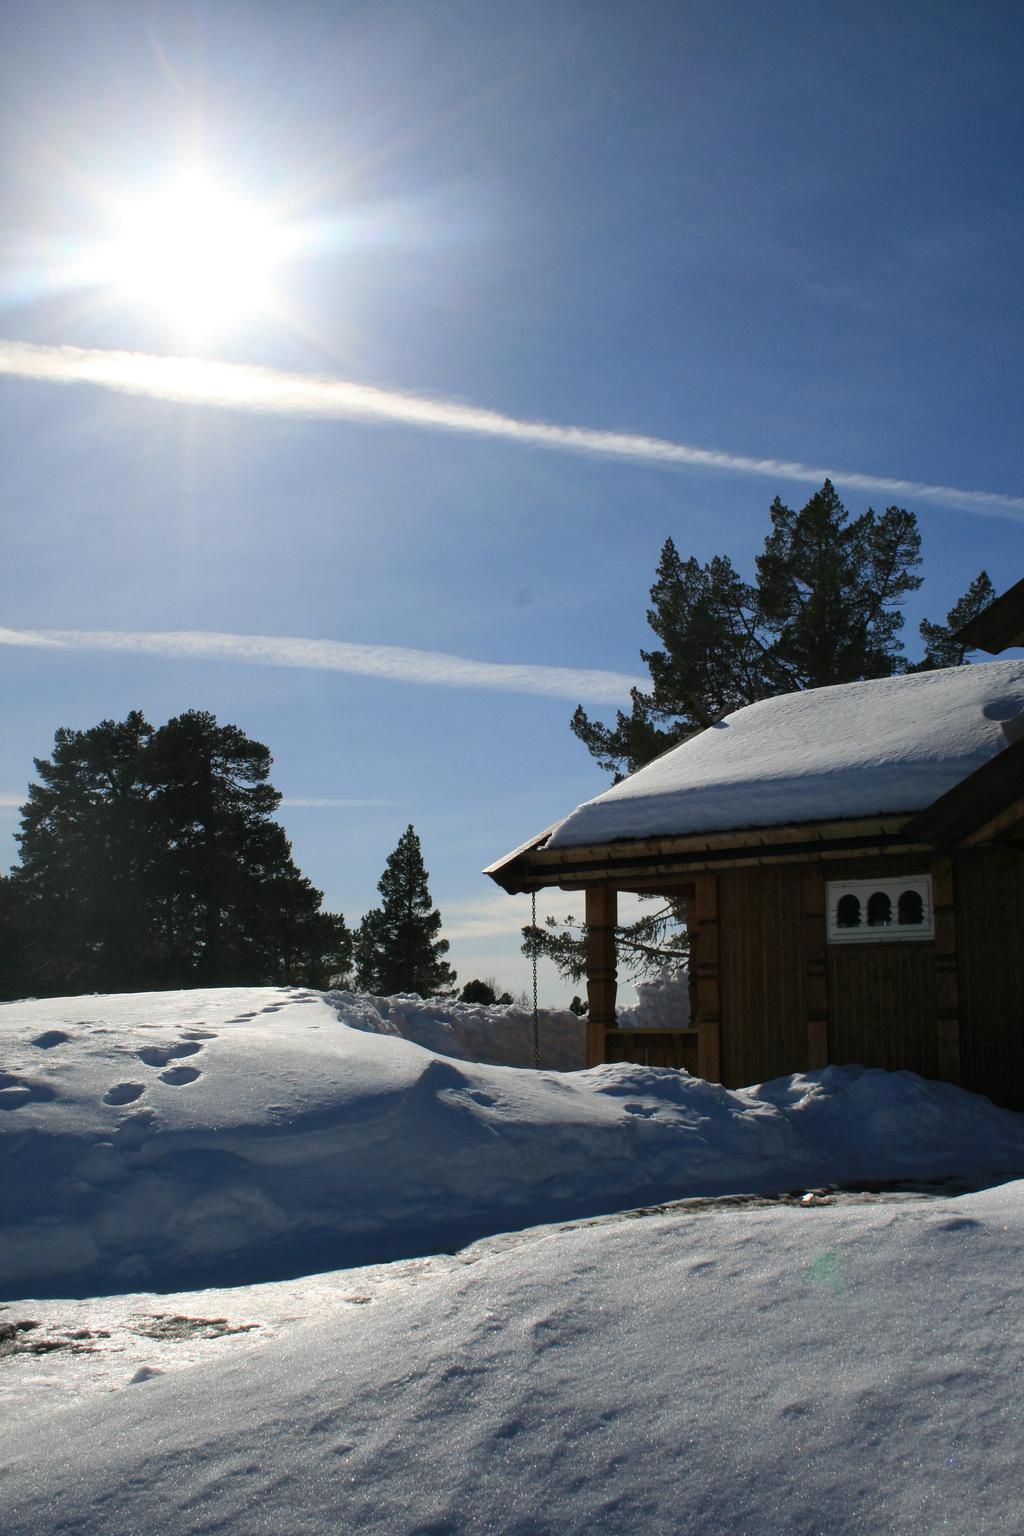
column 880, row 746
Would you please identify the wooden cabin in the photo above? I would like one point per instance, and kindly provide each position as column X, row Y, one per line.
column 851, row 861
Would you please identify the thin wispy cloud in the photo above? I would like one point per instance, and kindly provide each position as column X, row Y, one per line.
column 393, row 663
column 329, row 804
column 244, row 387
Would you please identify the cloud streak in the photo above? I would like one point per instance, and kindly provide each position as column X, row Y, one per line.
column 330, row 804
column 245, row 387
column 393, row 663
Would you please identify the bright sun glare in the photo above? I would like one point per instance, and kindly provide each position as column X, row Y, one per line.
column 196, row 255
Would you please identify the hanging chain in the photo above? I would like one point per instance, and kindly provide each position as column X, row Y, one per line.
column 536, row 1016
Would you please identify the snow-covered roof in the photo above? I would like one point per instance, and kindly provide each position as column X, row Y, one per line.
column 861, row 749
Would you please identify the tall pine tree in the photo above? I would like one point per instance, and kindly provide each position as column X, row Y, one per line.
column 824, row 608
column 151, row 859
column 397, row 947
column 83, row 892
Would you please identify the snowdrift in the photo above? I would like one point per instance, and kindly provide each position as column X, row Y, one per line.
column 171, row 1140
column 845, row 1369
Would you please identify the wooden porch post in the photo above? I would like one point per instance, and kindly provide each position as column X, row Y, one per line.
column 709, row 1006
column 947, row 983
column 602, row 915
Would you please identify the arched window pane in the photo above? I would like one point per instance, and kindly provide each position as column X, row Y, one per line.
column 911, row 909
column 848, row 912
column 879, row 910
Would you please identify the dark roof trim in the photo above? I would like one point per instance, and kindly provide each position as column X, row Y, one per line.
column 964, row 812
column 998, row 626
column 533, row 867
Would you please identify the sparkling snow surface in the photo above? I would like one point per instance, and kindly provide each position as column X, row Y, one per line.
column 846, row 1365
column 864, row 749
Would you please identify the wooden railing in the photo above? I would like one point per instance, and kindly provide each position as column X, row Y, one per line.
column 653, row 1047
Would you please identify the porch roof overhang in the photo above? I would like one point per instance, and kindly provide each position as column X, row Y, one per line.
column 669, row 863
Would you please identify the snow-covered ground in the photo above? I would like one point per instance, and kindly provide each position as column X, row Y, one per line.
column 178, row 1139
column 846, row 1363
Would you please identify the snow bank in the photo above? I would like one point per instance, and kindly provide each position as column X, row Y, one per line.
column 500, row 1035
column 863, row 749
column 844, row 1369
column 662, row 1003
column 185, row 1138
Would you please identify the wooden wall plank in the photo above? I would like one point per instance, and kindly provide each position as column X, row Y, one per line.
column 704, row 968
column 989, row 893
column 947, row 986
column 763, row 990
column 882, row 1006
column 815, row 966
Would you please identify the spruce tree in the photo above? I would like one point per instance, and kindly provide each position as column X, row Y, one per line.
column 397, row 948
column 150, row 859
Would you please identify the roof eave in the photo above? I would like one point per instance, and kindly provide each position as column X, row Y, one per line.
column 998, row 626
column 656, row 861
column 980, row 807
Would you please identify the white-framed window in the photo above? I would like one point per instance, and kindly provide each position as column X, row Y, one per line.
column 880, row 911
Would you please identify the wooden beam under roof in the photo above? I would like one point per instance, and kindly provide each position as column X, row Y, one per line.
column 636, row 862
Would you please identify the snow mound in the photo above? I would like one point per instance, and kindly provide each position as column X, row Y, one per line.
column 662, row 1003
column 851, row 1368
column 500, row 1035
column 175, row 1139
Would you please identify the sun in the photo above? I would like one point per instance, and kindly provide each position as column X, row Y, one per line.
column 196, row 255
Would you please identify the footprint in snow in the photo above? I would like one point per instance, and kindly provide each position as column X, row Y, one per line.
column 241, row 1018
column 49, row 1038
column 178, row 1076
column 144, row 1373
column 124, row 1093
column 160, row 1055
column 16, row 1091
column 199, row 1034
column 15, row 1095
column 133, row 1132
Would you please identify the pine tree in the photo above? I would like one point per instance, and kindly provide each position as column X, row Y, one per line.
column 940, row 647
column 150, row 859
column 829, row 590
column 13, row 970
column 83, row 889
column 477, row 991
column 397, row 948
column 824, row 608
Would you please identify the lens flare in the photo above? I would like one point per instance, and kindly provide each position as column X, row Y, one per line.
column 196, row 254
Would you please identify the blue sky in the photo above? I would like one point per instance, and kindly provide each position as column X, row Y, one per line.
column 788, row 233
